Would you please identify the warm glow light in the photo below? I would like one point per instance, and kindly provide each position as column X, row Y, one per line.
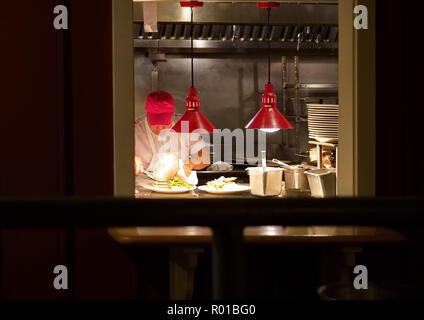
column 192, row 231
column 186, row 13
column 272, row 230
column 270, row 130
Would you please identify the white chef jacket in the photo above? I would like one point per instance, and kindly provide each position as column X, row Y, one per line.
column 148, row 145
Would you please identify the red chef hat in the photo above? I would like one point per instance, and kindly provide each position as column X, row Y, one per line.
column 159, row 108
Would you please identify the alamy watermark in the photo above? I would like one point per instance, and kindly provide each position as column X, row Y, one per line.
column 60, row 282
column 60, row 21
column 361, row 280
column 245, row 144
column 361, row 20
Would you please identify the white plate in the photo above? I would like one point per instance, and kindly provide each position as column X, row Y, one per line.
column 323, row 127
column 234, row 189
column 323, row 110
column 325, row 115
column 323, row 130
column 323, row 119
column 323, row 122
column 325, row 134
column 325, row 140
column 318, row 108
column 322, row 106
column 174, row 190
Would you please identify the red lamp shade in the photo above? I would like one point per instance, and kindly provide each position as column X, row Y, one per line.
column 193, row 4
column 195, row 118
column 269, row 117
column 268, row 5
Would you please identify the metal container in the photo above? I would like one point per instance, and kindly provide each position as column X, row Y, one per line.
column 322, row 183
column 265, row 182
column 295, row 178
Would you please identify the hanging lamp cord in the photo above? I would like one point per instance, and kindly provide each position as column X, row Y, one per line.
column 191, row 48
column 269, row 46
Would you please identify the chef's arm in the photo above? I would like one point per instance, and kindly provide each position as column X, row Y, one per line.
column 203, row 154
column 195, row 164
column 138, row 164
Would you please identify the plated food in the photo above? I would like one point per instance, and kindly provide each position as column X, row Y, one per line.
column 221, row 183
column 166, row 167
column 224, row 185
column 172, row 190
column 173, row 186
column 168, row 176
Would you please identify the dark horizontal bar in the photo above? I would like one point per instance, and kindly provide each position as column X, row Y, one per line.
column 114, row 212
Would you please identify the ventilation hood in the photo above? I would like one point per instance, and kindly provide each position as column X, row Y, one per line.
column 241, row 26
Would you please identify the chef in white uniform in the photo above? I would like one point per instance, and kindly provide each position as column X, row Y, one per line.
column 153, row 135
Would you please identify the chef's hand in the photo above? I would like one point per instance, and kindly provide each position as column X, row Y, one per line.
column 138, row 165
column 188, row 168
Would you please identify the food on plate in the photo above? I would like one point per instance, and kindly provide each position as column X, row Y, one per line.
column 222, row 183
column 168, row 174
column 220, row 166
column 166, row 167
column 176, row 182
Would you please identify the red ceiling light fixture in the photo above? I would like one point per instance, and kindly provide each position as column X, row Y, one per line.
column 269, row 118
column 193, row 116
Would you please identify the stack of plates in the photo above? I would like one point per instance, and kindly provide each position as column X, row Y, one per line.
column 323, row 122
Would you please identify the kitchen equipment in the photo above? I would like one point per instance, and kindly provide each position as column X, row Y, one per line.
column 323, row 122
column 322, row 183
column 295, row 178
column 294, row 175
column 281, row 163
column 269, row 118
column 149, row 174
column 192, row 116
column 240, row 22
column 265, row 181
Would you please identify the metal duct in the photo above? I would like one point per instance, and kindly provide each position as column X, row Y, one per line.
column 284, row 33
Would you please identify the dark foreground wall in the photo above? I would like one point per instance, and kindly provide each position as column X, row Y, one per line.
column 399, row 107
column 56, row 129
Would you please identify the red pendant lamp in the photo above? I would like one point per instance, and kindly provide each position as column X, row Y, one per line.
column 269, row 118
column 193, row 116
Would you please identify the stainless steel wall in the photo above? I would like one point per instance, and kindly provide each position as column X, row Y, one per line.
column 230, row 89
